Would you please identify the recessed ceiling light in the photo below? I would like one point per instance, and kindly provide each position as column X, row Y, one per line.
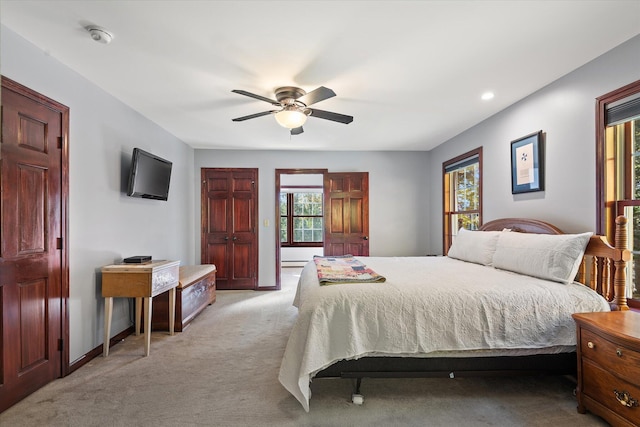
column 487, row 96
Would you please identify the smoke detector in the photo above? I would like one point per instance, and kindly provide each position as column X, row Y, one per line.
column 100, row 35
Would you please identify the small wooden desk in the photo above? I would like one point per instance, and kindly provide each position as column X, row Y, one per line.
column 139, row 281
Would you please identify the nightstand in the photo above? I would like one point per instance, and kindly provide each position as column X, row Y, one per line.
column 609, row 366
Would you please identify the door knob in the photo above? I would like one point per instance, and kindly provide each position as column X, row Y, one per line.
column 235, row 238
column 226, row 237
column 365, row 238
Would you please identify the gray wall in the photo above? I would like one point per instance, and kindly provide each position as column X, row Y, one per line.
column 565, row 111
column 398, row 191
column 405, row 187
column 104, row 224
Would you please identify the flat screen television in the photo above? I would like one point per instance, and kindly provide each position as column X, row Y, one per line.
column 149, row 176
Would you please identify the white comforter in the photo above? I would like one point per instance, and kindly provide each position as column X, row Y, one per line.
column 427, row 304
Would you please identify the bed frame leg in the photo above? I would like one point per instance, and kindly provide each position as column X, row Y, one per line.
column 356, row 397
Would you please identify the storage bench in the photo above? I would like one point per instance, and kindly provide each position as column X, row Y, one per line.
column 196, row 290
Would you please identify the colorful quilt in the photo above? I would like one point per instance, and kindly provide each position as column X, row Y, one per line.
column 344, row 269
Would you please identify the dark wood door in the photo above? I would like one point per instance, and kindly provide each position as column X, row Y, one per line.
column 346, row 220
column 229, row 225
column 32, row 262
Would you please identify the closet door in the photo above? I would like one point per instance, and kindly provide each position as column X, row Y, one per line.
column 33, row 266
column 346, row 221
column 229, row 223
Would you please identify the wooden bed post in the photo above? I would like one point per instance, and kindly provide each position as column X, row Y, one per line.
column 620, row 276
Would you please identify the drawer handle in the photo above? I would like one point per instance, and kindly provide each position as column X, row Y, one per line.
column 618, row 352
column 590, row 344
column 625, row 399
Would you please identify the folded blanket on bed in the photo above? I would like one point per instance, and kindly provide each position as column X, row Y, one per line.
column 344, row 269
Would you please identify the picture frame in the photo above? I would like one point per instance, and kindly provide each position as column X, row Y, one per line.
column 527, row 164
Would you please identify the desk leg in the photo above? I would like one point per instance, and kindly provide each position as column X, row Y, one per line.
column 172, row 310
column 108, row 311
column 147, row 325
column 138, row 314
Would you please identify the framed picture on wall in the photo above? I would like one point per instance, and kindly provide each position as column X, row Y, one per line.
column 527, row 164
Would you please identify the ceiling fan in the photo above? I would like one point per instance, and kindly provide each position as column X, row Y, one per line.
column 294, row 107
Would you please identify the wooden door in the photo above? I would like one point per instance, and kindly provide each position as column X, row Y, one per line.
column 229, row 223
column 346, row 210
column 33, row 266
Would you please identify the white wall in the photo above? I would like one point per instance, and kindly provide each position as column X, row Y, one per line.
column 299, row 254
column 398, row 192
column 104, row 224
column 565, row 111
column 301, row 179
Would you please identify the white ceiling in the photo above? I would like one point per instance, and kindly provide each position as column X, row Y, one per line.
column 410, row 72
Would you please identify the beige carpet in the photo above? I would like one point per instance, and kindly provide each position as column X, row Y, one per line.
column 222, row 371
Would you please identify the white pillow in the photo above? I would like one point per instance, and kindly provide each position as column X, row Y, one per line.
column 547, row 256
column 474, row 246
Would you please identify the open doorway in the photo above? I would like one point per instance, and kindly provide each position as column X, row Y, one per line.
column 298, row 222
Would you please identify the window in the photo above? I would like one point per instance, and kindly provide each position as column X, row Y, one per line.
column 618, row 172
column 462, row 179
column 301, row 217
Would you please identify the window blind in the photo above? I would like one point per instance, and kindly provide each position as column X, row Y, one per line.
column 623, row 111
column 462, row 164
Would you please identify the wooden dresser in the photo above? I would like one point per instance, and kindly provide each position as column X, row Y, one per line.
column 609, row 366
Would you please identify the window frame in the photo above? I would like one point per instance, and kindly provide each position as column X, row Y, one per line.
column 290, row 243
column 447, row 232
column 606, row 211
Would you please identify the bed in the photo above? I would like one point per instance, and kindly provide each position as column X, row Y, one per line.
column 463, row 314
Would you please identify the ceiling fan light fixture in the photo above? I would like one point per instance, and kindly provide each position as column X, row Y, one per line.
column 291, row 117
column 294, row 107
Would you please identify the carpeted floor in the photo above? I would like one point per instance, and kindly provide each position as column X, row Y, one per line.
column 222, row 371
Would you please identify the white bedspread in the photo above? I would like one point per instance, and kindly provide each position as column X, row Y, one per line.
column 427, row 304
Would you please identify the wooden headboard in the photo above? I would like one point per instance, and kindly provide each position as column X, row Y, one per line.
column 523, row 225
column 603, row 266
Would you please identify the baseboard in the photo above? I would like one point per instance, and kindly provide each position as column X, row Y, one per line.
column 87, row 357
column 293, row 264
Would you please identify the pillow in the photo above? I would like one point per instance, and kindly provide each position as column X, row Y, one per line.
column 547, row 256
column 474, row 246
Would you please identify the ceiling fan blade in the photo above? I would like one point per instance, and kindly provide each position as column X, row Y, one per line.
column 297, row 131
column 317, row 95
column 253, row 95
column 253, row 116
column 328, row 115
